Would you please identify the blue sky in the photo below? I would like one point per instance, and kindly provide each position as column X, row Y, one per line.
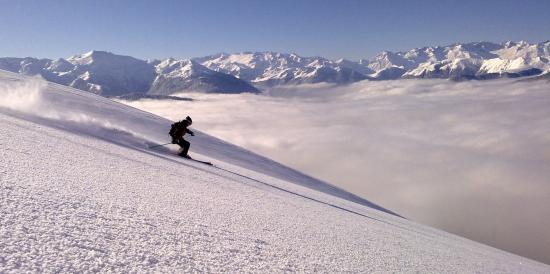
column 333, row 29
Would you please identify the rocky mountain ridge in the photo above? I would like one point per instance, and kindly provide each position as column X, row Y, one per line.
column 478, row 60
column 109, row 74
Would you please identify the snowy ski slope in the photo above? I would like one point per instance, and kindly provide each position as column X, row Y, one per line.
column 81, row 191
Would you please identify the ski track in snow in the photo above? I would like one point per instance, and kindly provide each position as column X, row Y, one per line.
column 71, row 202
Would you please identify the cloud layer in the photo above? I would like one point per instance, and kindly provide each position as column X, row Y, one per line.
column 472, row 158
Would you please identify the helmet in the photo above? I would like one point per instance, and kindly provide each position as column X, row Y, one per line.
column 188, row 119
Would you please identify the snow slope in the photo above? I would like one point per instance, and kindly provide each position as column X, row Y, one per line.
column 80, row 191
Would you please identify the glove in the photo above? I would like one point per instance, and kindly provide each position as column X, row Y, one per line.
column 174, row 141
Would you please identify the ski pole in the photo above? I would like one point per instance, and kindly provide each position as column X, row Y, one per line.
column 159, row 145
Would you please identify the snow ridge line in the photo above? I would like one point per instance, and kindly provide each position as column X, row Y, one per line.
column 204, row 168
column 414, row 231
column 321, row 202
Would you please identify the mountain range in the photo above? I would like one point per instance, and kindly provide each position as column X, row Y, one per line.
column 109, row 74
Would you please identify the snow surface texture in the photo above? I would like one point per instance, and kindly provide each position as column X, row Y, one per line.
column 81, row 192
column 469, row 157
column 114, row 75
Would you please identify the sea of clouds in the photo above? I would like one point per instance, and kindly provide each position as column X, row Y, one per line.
column 472, row 157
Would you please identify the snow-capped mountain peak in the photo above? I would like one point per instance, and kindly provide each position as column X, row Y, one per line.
column 112, row 75
column 184, row 68
column 271, row 68
column 95, row 56
column 181, row 75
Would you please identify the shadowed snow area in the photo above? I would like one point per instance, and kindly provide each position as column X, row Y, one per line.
column 69, row 109
column 80, row 191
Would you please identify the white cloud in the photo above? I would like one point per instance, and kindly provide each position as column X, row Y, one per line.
column 470, row 157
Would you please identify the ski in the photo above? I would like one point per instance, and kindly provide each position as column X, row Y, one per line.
column 153, row 145
column 199, row 161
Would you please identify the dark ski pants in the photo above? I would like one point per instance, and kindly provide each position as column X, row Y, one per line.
column 184, row 146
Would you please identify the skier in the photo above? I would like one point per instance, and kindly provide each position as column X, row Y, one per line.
column 177, row 131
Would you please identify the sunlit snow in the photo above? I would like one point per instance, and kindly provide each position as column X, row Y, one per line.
column 81, row 191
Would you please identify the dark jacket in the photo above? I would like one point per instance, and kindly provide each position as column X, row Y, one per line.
column 183, row 129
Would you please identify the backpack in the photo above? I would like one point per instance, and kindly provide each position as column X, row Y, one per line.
column 175, row 129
